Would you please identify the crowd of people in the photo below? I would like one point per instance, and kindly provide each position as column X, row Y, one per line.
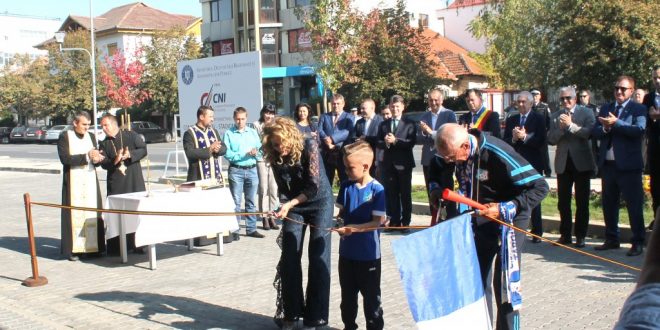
column 284, row 169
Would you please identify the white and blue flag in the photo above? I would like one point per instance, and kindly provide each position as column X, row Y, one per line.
column 440, row 274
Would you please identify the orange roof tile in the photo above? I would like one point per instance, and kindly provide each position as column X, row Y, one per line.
column 466, row 3
column 134, row 16
column 455, row 60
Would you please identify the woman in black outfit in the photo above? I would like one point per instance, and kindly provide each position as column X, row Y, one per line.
column 305, row 196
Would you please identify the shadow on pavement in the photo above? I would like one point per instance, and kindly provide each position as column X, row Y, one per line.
column 202, row 315
column 611, row 273
column 47, row 247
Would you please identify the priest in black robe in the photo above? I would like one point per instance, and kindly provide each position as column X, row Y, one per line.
column 82, row 232
column 123, row 151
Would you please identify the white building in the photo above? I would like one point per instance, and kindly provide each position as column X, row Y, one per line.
column 20, row 33
column 455, row 20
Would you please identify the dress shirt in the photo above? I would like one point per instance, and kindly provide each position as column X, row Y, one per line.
column 239, row 143
column 610, row 152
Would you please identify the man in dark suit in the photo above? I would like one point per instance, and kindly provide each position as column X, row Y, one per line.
column 436, row 116
column 334, row 129
column 652, row 103
column 570, row 130
column 366, row 128
column 479, row 117
column 543, row 109
column 397, row 137
column 525, row 132
column 620, row 128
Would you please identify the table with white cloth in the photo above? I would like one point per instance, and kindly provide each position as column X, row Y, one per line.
column 152, row 229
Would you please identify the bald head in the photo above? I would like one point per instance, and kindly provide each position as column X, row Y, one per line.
column 449, row 140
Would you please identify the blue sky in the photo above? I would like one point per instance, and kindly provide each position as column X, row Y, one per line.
column 63, row 8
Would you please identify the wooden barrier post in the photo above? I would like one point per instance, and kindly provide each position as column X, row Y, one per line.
column 35, row 280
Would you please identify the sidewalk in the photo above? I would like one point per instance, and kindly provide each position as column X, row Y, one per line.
column 199, row 290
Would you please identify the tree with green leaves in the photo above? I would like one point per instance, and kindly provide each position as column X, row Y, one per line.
column 69, row 87
column 546, row 43
column 375, row 55
column 161, row 56
column 22, row 86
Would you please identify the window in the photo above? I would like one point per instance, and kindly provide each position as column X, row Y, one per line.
column 423, row 20
column 112, row 49
column 300, row 40
column 221, row 10
column 223, row 47
column 298, row 3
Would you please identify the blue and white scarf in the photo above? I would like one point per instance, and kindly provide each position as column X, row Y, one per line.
column 509, row 257
column 209, row 168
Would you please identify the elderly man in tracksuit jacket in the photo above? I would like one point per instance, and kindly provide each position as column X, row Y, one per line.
column 491, row 172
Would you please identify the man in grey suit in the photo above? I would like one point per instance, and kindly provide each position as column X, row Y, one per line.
column 570, row 129
column 366, row 128
column 428, row 126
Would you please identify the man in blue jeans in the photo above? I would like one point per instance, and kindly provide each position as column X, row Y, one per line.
column 243, row 146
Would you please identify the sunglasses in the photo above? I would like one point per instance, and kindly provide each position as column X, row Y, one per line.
column 566, row 98
column 621, row 88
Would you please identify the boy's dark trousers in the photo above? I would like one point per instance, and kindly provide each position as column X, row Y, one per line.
column 360, row 276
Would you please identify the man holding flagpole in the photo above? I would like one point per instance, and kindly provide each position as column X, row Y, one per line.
column 490, row 172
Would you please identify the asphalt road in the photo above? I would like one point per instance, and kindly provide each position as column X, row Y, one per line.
column 157, row 152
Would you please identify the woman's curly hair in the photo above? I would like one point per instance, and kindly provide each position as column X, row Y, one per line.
column 292, row 139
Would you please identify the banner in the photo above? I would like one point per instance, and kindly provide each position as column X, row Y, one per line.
column 441, row 278
column 222, row 82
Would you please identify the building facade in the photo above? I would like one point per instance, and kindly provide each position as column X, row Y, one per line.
column 20, row 33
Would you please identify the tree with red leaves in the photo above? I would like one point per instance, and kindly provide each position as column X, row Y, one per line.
column 122, row 79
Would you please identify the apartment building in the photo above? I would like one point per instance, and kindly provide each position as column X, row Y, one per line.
column 20, row 33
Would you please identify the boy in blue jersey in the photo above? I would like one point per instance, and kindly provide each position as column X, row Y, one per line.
column 361, row 203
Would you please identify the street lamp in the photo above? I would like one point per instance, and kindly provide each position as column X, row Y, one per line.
column 59, row 38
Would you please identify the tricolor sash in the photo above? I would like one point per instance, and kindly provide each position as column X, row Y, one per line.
column 209, row 168
column 83, row 193
column 480, row 118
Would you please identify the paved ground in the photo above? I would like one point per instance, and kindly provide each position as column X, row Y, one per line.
column 199, row 290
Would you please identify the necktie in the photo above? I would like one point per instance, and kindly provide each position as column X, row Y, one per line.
column 395, row 123
column 618, row 110
column 522, row 120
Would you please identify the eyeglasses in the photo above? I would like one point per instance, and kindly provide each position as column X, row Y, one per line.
column 566, row 98
column 621, row 88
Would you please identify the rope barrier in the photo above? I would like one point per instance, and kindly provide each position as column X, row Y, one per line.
column 332, row 229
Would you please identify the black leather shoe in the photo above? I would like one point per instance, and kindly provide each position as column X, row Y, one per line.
column 564, row 240
column 536, row 240
column 579, row 242
column 405, row 231
column 255, row 234
column 635, row 250
column 235, row 236
column 608, row 245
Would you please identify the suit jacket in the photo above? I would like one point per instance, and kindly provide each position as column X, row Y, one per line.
column 399, row 154
column 625, row 136
column 492, row 124
column 339, row 132
column 544, row 110
column 370, row 133
column 653, row 127
column 428, row 141
column 574, row 140
column 530, row 148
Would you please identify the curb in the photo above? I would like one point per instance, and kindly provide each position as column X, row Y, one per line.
column 31, row 170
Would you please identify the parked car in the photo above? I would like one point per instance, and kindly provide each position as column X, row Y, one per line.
column 17, row 134
column 35, row 134
column 5, row 132
column 150, row 132
column 53, row 133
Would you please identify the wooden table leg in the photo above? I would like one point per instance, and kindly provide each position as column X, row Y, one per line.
column 152, row 256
